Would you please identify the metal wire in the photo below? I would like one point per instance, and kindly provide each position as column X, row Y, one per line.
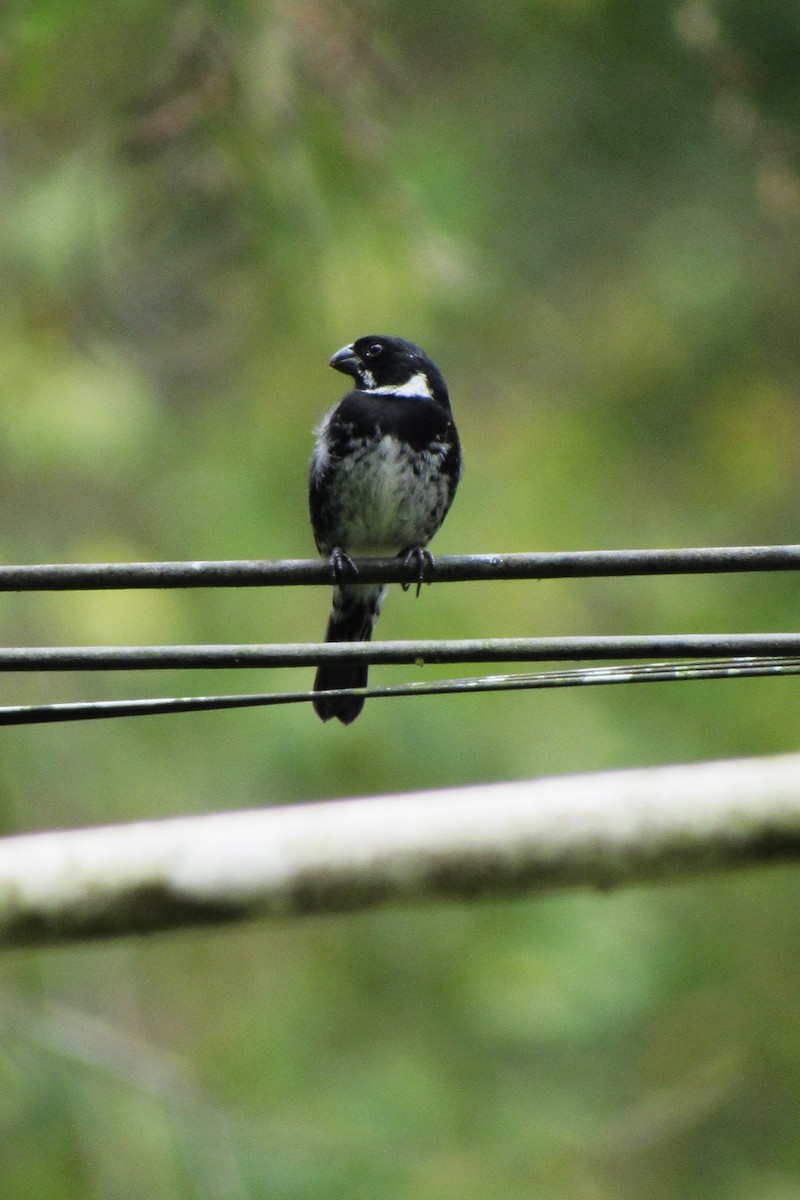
column 733, row 654
column 741, row 668
column 145, row 658
column 450, row 569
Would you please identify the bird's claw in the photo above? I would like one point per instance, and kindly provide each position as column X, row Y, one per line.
column 342, row 565
column 420, row 558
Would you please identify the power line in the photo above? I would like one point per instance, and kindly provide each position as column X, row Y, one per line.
column 727, row 655
column 477, row 650
column 448, row 569
column 741, row 668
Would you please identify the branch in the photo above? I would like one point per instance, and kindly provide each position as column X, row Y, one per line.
column 450, row 569
column 596, row 831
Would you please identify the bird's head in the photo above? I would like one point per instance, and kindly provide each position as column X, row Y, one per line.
column 391, row 366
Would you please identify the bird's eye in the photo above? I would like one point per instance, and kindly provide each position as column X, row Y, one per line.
column 374, row 350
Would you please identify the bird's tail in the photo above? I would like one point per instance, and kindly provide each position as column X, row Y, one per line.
column 353, row 616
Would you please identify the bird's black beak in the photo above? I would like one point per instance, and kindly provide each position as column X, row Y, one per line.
column 346, row 361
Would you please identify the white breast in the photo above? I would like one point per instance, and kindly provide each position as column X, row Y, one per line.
column 390, row 498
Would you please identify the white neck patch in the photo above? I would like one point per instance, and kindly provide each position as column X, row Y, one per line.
column 417, row 386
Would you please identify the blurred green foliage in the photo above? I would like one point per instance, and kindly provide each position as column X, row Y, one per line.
column 589, row 212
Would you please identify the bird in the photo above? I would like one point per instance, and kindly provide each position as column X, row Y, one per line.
column 384, row 471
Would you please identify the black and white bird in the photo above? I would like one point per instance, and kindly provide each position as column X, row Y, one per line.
column 385, row 468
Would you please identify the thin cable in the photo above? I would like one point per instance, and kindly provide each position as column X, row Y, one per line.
column 741, row 668
column 449, row 569
column 146, row 658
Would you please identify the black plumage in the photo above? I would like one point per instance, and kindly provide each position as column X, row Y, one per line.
column 385, row 468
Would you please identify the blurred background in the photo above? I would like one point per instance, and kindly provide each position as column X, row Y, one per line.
column 588, row 212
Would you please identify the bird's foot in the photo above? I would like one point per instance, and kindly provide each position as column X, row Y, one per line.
column 415, row 561
column 342, row 565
